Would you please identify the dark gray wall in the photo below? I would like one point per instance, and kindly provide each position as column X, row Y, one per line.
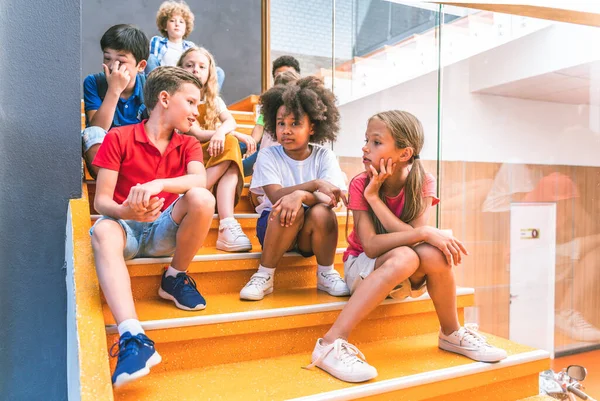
column 229, row 29
column 40, row 169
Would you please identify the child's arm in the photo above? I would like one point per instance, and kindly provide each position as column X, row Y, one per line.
column 287, row 206
column 106, row 206
column 257, row 132
column 117, row 80
column 275, row 191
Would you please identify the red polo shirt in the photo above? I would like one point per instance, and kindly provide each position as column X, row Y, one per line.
column 129, row 151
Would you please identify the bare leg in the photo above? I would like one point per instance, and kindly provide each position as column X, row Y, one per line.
column 319, row 234
column 391, row 269
column 441, row 285
column 89, row 158
column 193, row 212
column 108, row 242
column 214, row 173
column 226, row 191
column 278, row 240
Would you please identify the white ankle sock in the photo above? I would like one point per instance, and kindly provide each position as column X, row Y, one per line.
column 227, row 221
column 173, row 272
column 130, row 325
column 324, row 269
column 268, row 270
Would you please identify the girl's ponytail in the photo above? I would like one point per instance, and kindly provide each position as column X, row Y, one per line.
column 413, row 192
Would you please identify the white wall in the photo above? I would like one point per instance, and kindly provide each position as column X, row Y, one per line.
column 478, row 127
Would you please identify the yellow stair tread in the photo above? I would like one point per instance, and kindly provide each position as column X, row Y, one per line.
column 158, row 308
column 282, row 302
column 538, row 398
column 283, row 377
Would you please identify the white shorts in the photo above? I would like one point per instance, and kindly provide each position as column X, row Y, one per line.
column 357, row 268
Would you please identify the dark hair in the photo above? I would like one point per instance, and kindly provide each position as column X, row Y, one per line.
column 285, row 61
column 128, row 38
column 168, row 79
column 305, row 96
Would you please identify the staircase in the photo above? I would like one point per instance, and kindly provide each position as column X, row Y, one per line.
column 256, row 350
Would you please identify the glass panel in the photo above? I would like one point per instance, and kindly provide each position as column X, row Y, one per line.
column 389, row 60
column 521, row 126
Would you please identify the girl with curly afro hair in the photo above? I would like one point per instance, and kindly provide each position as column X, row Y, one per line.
column 301, row 181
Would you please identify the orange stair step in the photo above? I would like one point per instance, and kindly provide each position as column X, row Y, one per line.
column 411, row 368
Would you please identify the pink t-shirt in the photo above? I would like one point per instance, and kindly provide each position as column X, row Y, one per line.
column 553, row 188
column 395, row 204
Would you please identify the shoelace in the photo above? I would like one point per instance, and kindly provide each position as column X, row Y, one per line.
column 257, row 280
column 236, row 229
column 473, row 337
column 344, row 351
column 333, row 277
column 127, row 345
column 579, row 321
column 186, row 282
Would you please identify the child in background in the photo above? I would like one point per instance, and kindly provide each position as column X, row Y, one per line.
column 115, row 97
column 392, row 251
column 175, row 22
column 151, row 194
column 302, row 181
column 215, row 129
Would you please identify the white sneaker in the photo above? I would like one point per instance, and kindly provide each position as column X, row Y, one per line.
column 260, row 284
column 332, row 283
column 471, row 344
column 340, row 360
column 232, row 238
column 574, row 325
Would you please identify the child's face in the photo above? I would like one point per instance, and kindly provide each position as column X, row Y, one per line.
column 175, row 27
column 197, row 63
column 379, row 144
column 292, row 134
column 182, row 107
column 110, row 56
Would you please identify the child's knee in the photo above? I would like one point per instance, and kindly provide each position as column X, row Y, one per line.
column 324, row 218
column 199, row 199
column 403, row 262
column 432, row 259
column 108, row 232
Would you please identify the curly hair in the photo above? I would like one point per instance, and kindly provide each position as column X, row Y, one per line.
column 169, row 8
column 305, row 96
column 210, row 88
column 285, row 61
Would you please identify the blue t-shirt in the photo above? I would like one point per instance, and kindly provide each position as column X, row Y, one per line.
column 129, row 111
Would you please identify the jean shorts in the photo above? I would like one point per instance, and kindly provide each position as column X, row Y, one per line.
column 357, row 268
column 261, row 231
column 148, row 240
column 92, row 136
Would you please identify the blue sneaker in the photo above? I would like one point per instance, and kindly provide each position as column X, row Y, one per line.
column 182, row 290
column 136, row 356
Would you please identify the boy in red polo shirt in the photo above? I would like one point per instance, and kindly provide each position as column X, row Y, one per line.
column 151, row 193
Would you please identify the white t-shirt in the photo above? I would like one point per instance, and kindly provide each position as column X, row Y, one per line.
column 173, row 53
column 273, row 166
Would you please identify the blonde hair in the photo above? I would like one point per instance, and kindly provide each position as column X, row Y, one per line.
column 286, row 77
column 210, row 89
column 407, row 132
column 169, row 8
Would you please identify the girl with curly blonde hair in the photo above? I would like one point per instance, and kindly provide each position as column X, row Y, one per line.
column 215, row 129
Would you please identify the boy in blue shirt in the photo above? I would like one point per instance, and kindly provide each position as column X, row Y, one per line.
column 115, row 97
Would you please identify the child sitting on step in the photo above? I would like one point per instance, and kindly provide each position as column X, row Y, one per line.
column 175, row 22
column 151, row 194
column 301, row 182
column 393, row 252
column 215, row 128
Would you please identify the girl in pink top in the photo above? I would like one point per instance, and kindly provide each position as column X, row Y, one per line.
column 393, row 252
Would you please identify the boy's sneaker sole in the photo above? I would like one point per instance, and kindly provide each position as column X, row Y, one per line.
column 252, row 297
column 472, row 354
column 345, row 293
column 165, row 295
column 350, row 378
column 125, row 378
column 227, row 247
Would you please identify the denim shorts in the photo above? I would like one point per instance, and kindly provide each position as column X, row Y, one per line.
column 92, row 136
column 148, row 240
column 261, row 230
